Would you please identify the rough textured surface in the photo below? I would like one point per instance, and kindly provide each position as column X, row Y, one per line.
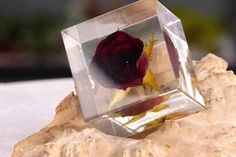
column 210, row 133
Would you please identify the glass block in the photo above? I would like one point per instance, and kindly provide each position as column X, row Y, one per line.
column 132, row 69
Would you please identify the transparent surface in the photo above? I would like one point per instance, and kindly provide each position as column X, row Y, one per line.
column 167, row 90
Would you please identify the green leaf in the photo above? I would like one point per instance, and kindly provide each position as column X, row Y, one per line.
column 159, row 107
column 148, row 47
column 118, row 95
column 149, row 80
column 116, row 115
column 156, row 123
column 136, row 117
column 175, row 116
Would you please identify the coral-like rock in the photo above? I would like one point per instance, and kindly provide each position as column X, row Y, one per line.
column 209, row 133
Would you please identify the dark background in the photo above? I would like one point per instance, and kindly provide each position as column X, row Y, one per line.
column 31, row 46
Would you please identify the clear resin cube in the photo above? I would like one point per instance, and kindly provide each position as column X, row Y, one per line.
column 132, row 69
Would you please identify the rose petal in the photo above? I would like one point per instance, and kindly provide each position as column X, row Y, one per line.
column 97, row 71
column 118, row 61
column 121, row 51
column 132, row 83
column 123, row 37
column 142, row 65
column 139, row 46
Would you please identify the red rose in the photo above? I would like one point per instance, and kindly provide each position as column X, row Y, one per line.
column 119, row 61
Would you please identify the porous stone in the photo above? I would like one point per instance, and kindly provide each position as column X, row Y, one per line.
column 209, row 133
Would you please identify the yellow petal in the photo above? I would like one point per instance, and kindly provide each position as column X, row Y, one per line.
column 136, row 117
column 118, row 95
column 175, row 116
column 156, row 123
column 116, row 115
column 166, row 97
column 159, row 107
column 149, row 80
column 148, row 47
